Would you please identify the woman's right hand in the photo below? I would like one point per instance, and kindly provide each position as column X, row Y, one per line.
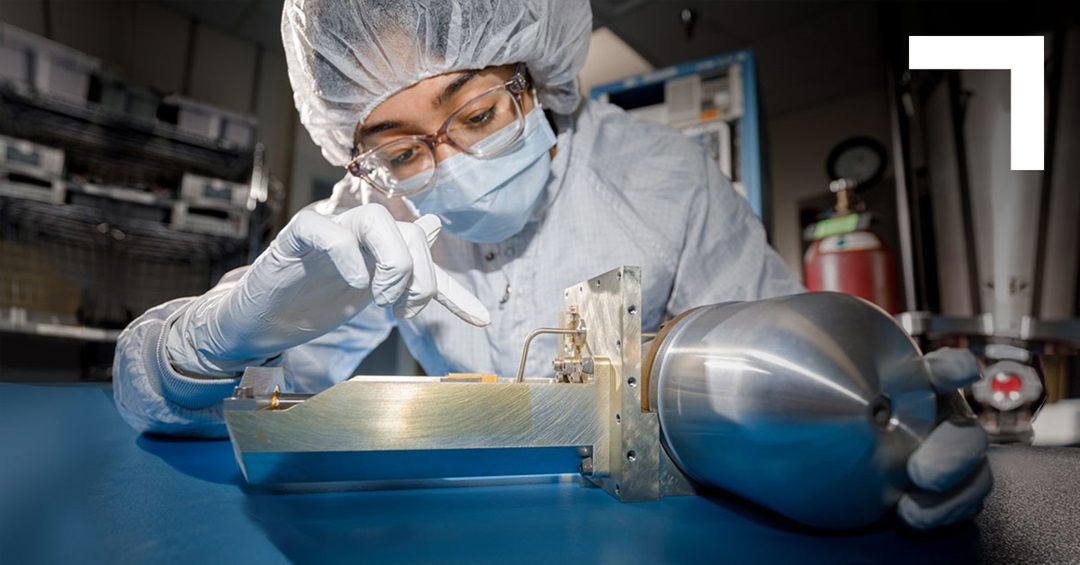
column 318, row 273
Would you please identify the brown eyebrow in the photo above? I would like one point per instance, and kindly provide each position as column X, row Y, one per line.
column 452, row 88
column 375, row 128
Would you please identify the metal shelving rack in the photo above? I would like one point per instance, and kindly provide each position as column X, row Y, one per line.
column 98, row 219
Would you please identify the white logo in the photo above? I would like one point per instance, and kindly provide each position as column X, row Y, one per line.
column 1023, row 55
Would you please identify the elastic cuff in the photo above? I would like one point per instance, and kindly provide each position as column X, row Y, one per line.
column 189, row 392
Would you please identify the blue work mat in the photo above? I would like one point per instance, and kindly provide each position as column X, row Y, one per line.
column 79, row 486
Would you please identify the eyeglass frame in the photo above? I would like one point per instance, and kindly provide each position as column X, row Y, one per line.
column 515, row 85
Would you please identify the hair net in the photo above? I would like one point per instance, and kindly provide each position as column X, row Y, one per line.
column 346, row 56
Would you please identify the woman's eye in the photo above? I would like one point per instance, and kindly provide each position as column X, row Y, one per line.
column 403, row 157
column 481, row 118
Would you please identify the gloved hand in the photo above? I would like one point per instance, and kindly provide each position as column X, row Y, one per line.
column 318, row 273
column 949, row 469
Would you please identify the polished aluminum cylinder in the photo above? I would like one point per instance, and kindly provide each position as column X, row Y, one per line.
column 808, row 405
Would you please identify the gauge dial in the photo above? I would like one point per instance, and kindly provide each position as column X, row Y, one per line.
column 862, row 159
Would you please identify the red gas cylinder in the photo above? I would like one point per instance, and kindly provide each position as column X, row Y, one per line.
column 857, row 263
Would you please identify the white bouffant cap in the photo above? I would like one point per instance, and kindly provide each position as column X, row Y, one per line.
column 347, row 56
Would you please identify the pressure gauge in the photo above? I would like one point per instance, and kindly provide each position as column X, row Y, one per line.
column 862, row 159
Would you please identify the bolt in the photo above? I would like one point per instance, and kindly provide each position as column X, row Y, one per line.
column 586, row 468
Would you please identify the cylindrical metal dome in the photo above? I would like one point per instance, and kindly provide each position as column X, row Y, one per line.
column 808, row 405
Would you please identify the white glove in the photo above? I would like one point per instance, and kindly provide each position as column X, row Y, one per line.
column 318, row 273
column 949, row 469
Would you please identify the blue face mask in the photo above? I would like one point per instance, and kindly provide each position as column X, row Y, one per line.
column 490, row 200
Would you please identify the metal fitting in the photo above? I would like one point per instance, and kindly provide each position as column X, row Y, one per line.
column 586, row 467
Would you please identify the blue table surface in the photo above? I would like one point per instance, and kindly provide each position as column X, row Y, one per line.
column 79, row 486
